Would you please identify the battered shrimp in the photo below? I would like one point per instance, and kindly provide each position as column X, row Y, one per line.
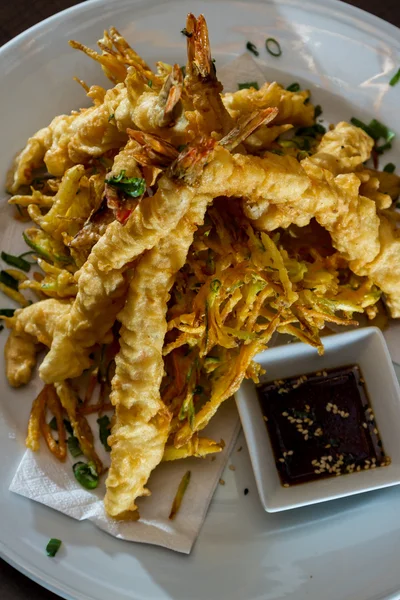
column 207, row 113
column 141, row 426
column 30, row 327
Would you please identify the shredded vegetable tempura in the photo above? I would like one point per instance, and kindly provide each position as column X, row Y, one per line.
column 178, row 229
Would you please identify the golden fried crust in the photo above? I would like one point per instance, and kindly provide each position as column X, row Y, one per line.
column 141, row 425
column 292, row 109
column 30, row 326
column 385, row 269
column 20, row 356
column 350, row 147
column 101, row 281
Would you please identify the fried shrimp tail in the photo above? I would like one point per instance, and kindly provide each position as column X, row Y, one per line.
column 207, row 113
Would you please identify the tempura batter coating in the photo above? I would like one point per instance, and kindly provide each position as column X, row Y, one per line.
column 349, row 146
column 141, row 426
column 102, row 283
column 31, row 326
column 292, row 109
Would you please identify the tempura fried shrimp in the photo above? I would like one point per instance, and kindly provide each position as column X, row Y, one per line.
column 141, row 426
column 30, row 327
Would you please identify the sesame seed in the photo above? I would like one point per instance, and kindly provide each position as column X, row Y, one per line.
column 324, row 373
column 375, row 431
column 338, row 473
column 365, row 425
column 317, row 471
column 328, row 446
column 284, row 454
column 285, row 485
column 282, row 460
column 373, row 466
column 222, row 482
column 358, row 468
column 299, row 421
column 265, row 418
column 307, row 407
column 285, row 414
column 290, row 453
column 374, row 460
column 306, row 437
column 232, row 467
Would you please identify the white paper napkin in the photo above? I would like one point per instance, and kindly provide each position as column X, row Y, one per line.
column 42, row 478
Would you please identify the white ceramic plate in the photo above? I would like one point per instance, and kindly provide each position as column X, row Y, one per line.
column 346, row 549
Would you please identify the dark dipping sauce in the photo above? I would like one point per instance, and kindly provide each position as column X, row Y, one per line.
column 321, row 425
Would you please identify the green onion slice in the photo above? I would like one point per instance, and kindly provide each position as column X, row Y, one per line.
column 215, row 285
column 395, row 79
column 16, row 261
column 7, row 312
column 293, row 87
column 317, row 111
column 104, row 431
column 53, row 547
column 8, row 280
column 252, row 48
column 273, row 47
column 389, row 168
column 383, row 148
column 132, row 186
column 248, row 84
column 74, row 447
column 86, row 474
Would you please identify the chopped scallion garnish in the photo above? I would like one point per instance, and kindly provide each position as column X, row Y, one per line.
column 252, row 48
column 132, row 186
column 317, row 111
column 293, row 87
column 8, row 280
column 383, row 148
column 111, row 117
column 273, row 47
column 17, row 261
column 73, row 446
column 395, row 79
column 104, row 431
column 86, row 474
column 7, row 312
column 389, row 168
column 247, row 85
column 53, row 547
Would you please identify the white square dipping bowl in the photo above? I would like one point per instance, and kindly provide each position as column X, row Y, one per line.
column 364, row 347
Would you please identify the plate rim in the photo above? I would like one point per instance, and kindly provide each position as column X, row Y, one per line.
column 337, row 9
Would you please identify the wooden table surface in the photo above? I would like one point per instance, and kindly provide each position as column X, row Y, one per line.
column 16, row 16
